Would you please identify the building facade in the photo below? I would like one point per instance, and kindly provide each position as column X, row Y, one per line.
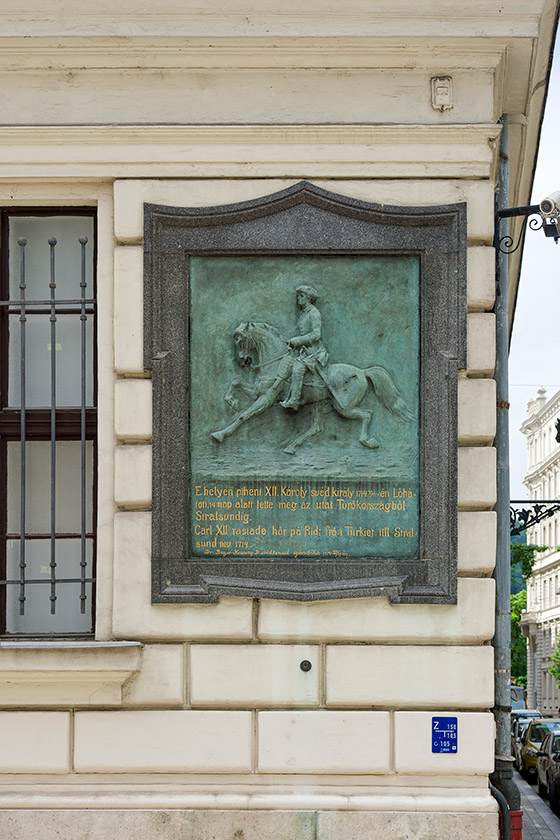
column 125, row 717
column 541, row 622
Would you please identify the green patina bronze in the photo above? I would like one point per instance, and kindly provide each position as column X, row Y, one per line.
column 304, row 406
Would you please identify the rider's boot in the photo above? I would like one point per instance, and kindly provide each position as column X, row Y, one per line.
column 293, row 400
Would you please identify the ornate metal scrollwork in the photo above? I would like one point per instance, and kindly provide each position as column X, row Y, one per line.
column 536, row 223
column 506, row 243
column 523, row 518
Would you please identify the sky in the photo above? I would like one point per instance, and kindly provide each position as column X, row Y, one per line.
column 534, row 358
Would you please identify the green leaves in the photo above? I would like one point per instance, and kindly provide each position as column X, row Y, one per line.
column 524, row 555
column 518, row 641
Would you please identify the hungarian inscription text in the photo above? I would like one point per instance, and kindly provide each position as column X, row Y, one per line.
column 291, row 519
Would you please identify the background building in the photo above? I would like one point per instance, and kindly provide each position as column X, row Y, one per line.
column 123, row 717
column 541, row 622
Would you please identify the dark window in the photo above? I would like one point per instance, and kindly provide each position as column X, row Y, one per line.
column 47, row 421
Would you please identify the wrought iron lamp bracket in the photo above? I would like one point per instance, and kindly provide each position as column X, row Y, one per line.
column 506, row 244
column 523, row 518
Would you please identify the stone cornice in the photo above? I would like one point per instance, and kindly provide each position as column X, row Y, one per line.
column 419, row 794
column 537, row 472
column 271, row 18
column 24, row 53
column 309, row 151
column 220, row 134
column 549, row 410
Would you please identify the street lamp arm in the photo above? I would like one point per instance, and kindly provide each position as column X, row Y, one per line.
column 549, row 217
column 525, row 210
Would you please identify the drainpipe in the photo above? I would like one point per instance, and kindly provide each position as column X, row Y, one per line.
column 502, row 777
column 504, row 812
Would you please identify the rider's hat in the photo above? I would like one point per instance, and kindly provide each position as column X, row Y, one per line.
column 312, row 293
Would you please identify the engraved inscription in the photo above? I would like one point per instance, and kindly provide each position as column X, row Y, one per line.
column 304, row 519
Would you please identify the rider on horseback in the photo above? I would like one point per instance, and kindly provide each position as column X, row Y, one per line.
column 342, row 387
column 312, row 351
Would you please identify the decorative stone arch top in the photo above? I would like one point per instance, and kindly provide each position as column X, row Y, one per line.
column 304, row 348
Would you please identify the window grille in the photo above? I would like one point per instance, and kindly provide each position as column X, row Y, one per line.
column 48, row 421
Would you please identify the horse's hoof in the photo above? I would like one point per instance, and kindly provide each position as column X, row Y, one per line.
column 370, row 443
column 290, row 450
column 219, row 436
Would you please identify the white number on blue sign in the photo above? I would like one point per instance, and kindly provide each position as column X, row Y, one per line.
column 444, row 735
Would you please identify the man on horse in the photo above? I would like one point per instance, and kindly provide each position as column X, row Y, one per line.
column 312, row 352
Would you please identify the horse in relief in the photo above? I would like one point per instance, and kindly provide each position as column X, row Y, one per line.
column 261, row 349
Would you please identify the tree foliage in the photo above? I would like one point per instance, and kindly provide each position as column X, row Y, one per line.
column 518, row 641
column 525, row 555
column 555, row 667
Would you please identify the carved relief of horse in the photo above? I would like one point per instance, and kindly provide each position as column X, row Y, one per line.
column 260, row 348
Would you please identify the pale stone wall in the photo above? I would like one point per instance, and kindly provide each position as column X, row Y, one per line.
column 197, row 719
column 213, row 697
column 378, row 671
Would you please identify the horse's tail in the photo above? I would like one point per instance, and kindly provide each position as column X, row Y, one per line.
column 387, row 392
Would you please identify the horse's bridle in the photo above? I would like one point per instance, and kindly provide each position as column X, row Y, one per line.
column 271, row 361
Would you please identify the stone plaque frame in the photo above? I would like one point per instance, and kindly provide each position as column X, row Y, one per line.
column 305, row 220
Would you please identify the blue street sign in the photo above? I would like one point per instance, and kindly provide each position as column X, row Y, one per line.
column 444, row 735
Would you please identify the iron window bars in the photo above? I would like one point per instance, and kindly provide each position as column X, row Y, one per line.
column 48, row 421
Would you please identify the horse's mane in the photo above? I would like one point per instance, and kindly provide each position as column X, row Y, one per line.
column 267, row 328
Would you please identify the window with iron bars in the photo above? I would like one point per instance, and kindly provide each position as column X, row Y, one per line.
column 48, row 421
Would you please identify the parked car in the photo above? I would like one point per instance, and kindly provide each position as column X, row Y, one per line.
column 525, row 713
column 532, row 740
column 518, row 728
column 519, row 721
column 554, row 789
column 547, row 757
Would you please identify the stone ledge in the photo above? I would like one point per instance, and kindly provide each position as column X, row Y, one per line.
column 248, row 22
column 255, row 52
column 60, row 673
column 172, row 796
column 311, row 151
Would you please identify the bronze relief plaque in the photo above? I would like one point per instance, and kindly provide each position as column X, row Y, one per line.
column 328, row 471
column 304, row 350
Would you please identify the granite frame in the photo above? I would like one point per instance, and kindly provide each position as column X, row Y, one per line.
column 305, row 219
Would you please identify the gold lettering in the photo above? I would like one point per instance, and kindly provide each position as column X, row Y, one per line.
column 398, row 533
